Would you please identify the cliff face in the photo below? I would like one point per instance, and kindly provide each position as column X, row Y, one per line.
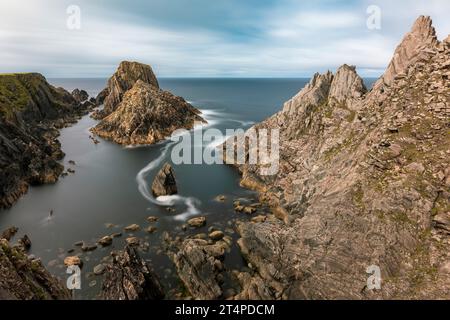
column 127, row 74
column 31, row 111
column 364, row 180
column 26, row 279
column 147, row 115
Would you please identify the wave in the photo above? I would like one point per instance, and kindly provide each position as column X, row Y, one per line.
column 166, row 201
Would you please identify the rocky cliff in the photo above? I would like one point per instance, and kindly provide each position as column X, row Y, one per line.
column 363, row 180
column 127, row 74
column 31, row 112
column 25, row 278
column 147, row 115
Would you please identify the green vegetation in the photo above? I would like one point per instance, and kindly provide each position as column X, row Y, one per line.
column 13, row 95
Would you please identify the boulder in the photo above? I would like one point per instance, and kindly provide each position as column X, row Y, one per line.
column 105, row 241
column 132, row 227
column 216, row 235
column 73, row 261
column 197, row 222
column 132, row 241
column 164, row 183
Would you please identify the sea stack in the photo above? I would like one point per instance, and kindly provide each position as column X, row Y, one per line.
column 136, row 111
column 164, row 183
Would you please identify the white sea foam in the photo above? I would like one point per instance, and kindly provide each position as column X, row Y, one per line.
column 166, row 201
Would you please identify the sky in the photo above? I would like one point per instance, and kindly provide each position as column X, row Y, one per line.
column 207, row 38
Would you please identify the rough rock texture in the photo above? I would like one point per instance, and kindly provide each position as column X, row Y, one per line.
column 347, row 86
column 164, row 183
column 23, row 278
column 31, row 112
column 147, row 115
column 414, row 45
column 362, row 182
column 199, row 266
column 80, row 95
column 129, row 277
column 127, row 74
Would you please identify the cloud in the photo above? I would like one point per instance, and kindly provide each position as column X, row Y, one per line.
column 282, row 38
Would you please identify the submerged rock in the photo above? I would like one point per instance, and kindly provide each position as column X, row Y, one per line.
column 132, row 241
column 105, row 241
column 164, row 183
column 129, row 277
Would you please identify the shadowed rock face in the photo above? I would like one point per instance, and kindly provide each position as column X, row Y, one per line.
column 363, row 181
column 26, row 279
column 31, row 112
column 129, row 277
column 127, row 74
column 147, row 115
column 164, row 183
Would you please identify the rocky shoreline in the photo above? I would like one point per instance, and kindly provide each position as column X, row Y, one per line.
column 31, row 114
column 371, row 188
column 364, row 180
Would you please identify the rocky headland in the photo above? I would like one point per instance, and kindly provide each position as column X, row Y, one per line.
column 364, row 179
column 136, row 111
column 24, row 277
column 31, row 113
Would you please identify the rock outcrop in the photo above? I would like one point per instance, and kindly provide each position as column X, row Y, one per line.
column 414, row 46
column 363, row 180
column 80, row 95
column 199, row 266
column 147, row 115
column 164, row 183
column 129, row 277
column 127, row 74
column 31, row 112
column 24, row 278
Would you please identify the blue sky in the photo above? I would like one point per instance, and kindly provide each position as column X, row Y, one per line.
column 207, row 38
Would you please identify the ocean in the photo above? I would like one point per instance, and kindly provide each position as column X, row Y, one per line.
column 108, row 187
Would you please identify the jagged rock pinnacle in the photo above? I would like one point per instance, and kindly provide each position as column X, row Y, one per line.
column 422, row 36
